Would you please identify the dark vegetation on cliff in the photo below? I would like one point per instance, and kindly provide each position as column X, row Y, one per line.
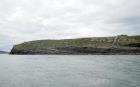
column 95, row 45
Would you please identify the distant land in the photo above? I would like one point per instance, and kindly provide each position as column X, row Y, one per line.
column 115, row 45
column 3, row 52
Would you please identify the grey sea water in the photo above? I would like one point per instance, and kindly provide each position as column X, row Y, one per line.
column 70, row 71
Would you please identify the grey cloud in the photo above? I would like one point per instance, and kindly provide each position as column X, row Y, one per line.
column 130, row 20
column 25, row 20
column 5, row 43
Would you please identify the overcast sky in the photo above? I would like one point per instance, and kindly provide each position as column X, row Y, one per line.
column 25, row 20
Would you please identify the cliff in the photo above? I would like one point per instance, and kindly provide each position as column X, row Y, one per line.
column 122, row 44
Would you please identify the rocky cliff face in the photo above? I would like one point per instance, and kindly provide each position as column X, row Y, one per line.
column 79, row 51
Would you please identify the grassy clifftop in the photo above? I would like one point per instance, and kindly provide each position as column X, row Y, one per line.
column 95, row 42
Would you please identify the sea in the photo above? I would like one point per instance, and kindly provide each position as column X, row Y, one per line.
column 69, row 70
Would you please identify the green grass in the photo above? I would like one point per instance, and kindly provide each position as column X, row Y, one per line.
column 96, row 42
